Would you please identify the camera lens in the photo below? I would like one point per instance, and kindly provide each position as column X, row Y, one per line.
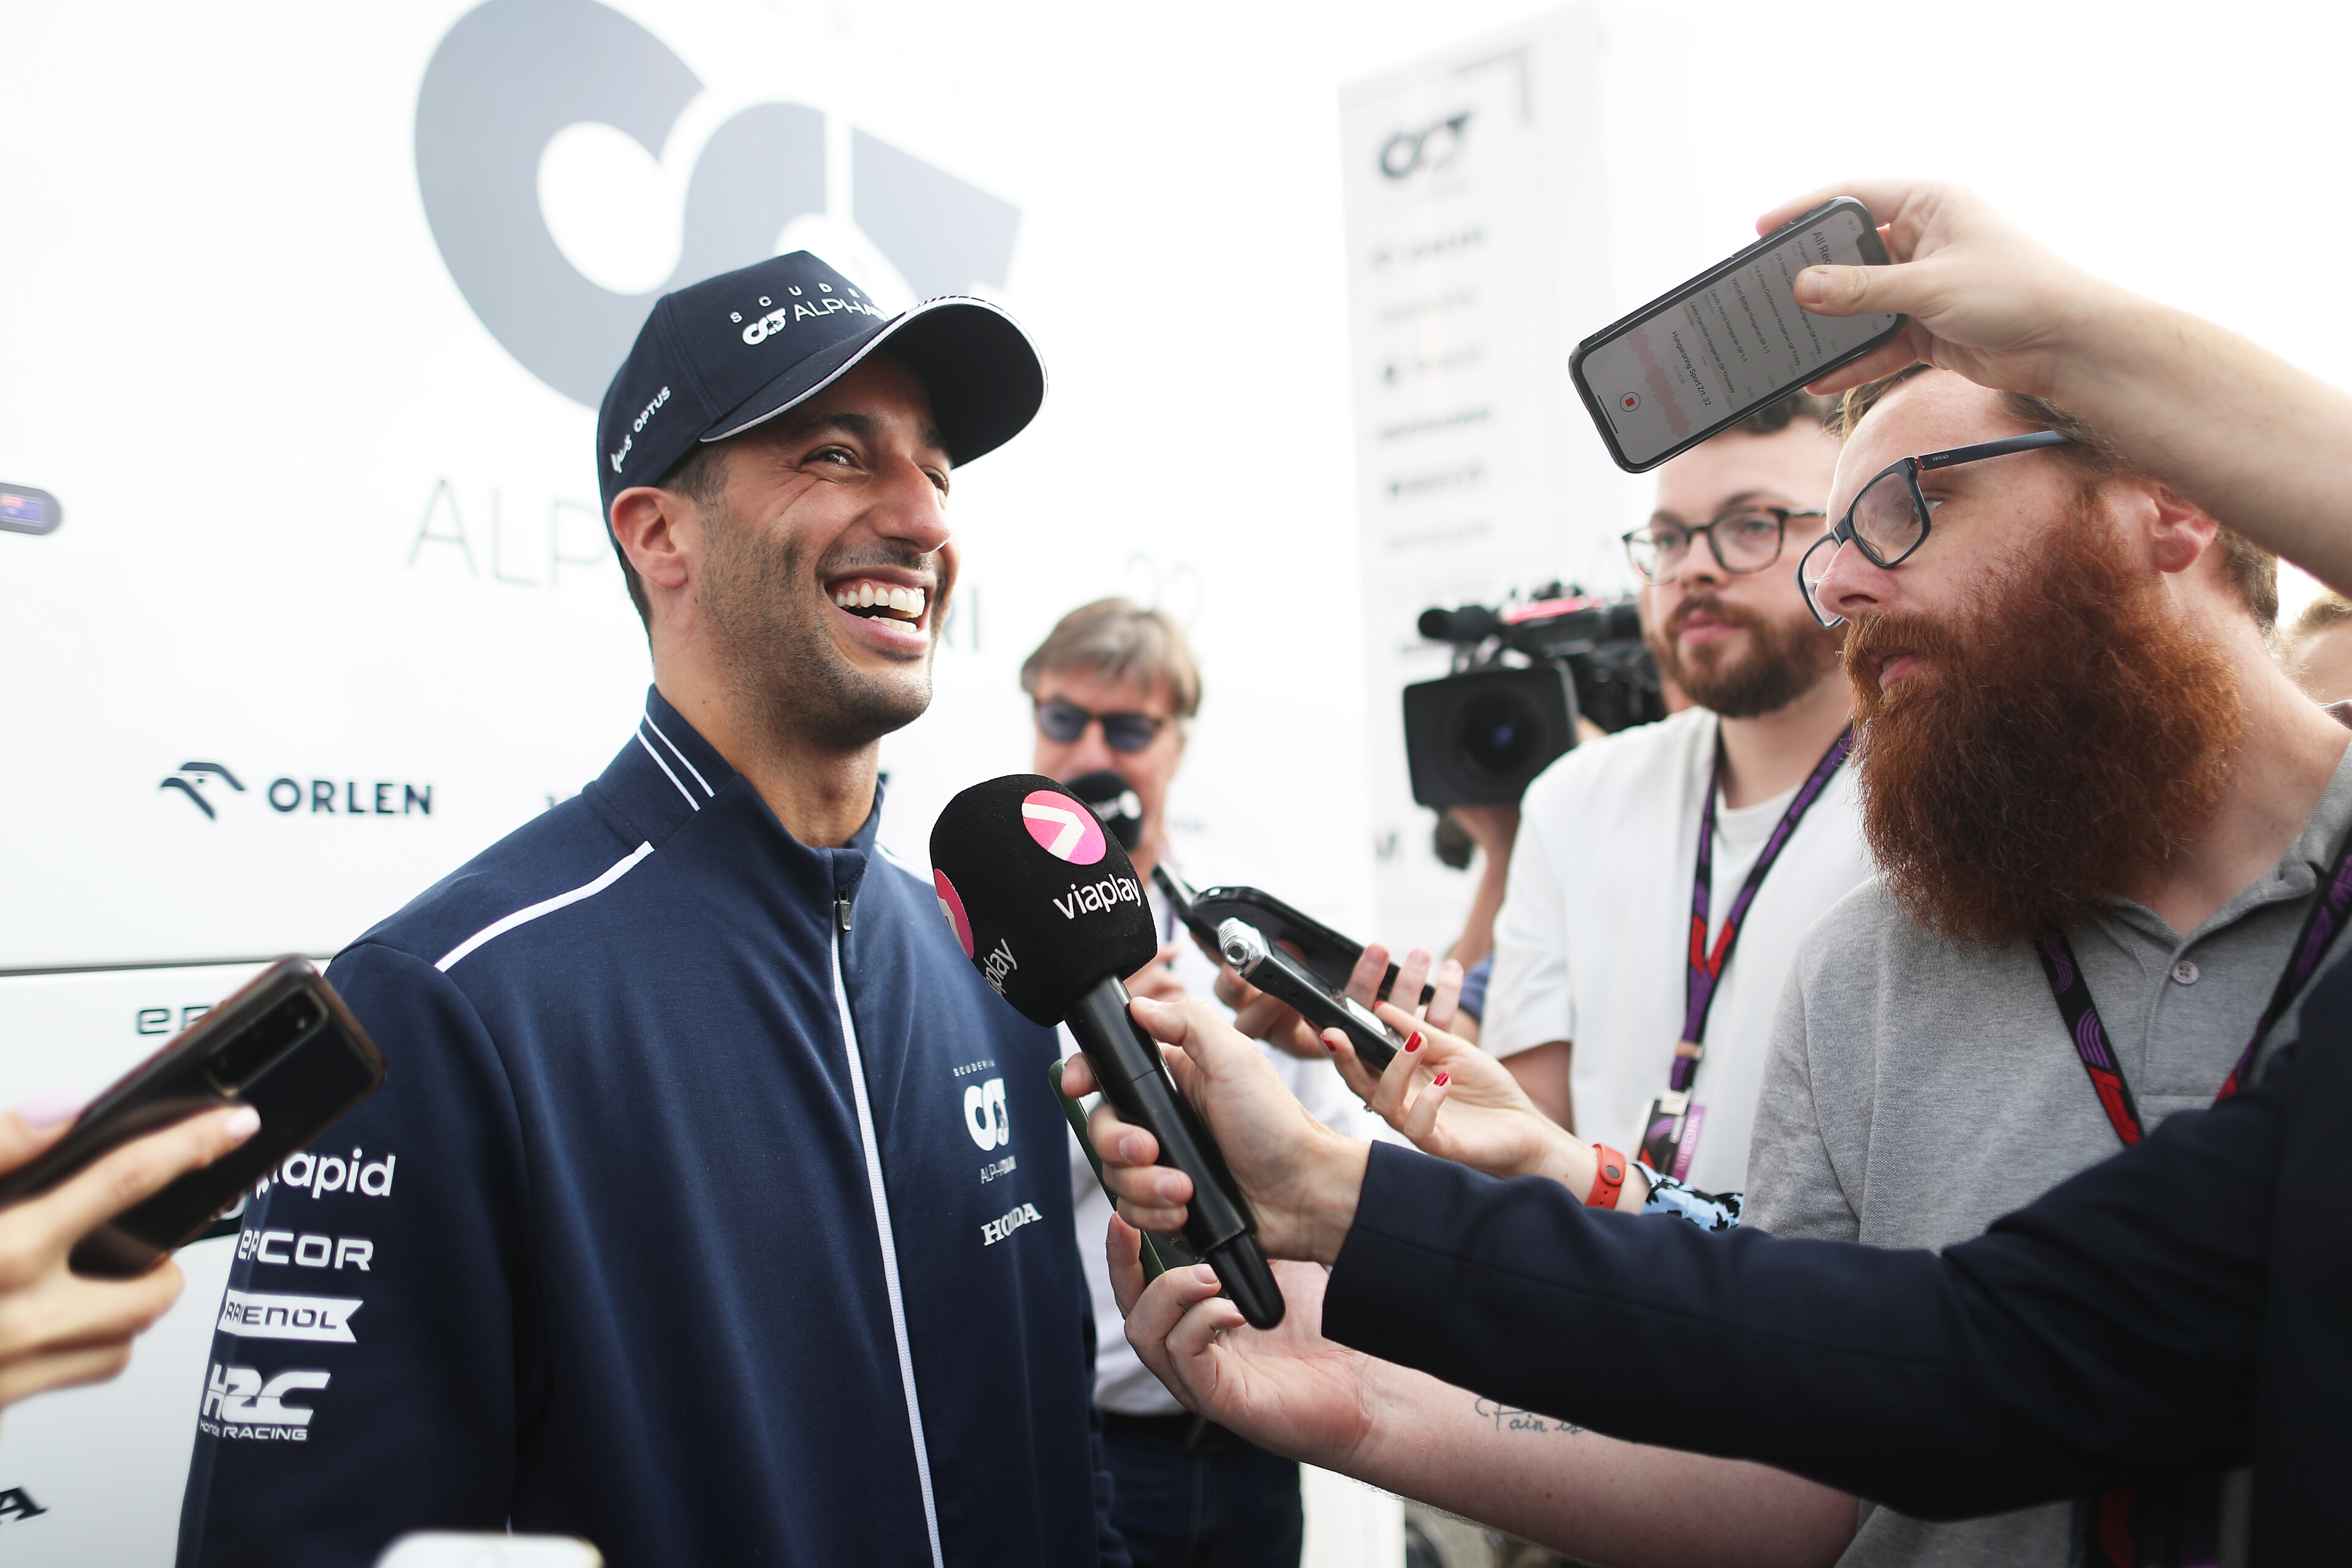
column 1498, row 733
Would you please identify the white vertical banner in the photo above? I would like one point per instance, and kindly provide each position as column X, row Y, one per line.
column 1476, row 261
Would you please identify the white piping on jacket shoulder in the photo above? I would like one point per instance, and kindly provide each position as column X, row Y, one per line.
column 889, row 1252
column 499, row 927
column 693, row 772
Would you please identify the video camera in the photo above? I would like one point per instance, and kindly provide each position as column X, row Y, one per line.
column 1522, row 673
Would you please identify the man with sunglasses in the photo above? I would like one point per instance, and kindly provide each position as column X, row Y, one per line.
column 1660, row 881
column 1114, row 686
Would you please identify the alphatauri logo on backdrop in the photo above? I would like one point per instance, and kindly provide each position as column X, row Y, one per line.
column 511, row 74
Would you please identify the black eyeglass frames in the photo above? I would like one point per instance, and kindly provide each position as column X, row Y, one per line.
column 1060, row 719
column 1890, row 517
column 1745, row 539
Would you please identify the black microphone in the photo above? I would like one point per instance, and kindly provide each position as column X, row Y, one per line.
column 1049, row 910
column 1114, row 801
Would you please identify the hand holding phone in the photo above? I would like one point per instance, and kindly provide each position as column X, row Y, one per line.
column 284, row 1044
column 1706, row 354
column 1290, row 981
column 58, row 1329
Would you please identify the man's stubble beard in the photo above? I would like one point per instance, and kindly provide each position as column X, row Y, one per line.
column 766, row 623
column 1785, row 659
column 2062, row 743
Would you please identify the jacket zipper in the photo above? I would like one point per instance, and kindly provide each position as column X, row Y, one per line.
column 889, row 1243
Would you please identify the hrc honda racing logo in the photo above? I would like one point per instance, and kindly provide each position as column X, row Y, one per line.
column 241, row 1402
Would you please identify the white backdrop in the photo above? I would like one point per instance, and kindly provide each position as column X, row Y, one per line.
column 230, row 346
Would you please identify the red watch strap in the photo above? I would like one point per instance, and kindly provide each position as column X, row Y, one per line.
column 1608, row 1181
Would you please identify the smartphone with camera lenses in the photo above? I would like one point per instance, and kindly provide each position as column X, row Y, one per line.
column 1703, row 356
column 283, row 1044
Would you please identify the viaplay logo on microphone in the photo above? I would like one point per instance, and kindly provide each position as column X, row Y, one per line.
column 1064, row 829
column 1001, row 855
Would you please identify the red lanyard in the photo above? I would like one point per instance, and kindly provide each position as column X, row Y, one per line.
column 2064, row 972
column 1706, row 968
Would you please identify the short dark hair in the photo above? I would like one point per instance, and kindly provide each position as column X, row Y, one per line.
column 2252, row 570
column 702, row 477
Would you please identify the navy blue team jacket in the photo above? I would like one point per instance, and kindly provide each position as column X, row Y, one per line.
column 687, row 1222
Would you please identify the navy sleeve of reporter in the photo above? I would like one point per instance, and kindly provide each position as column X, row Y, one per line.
column 315, row 1449
column 2104, row 1335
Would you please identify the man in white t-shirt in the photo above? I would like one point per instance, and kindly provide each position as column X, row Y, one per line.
column 1114, row 686
column 1598, row 1002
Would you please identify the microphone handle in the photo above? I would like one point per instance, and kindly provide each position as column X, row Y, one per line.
column 1217, row 1222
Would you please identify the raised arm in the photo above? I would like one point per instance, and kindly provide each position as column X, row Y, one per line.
column 2233, row 427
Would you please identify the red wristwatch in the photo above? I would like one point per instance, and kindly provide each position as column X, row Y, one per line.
column 1608, row 1181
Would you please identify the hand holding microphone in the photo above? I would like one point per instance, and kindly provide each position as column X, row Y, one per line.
column 1049, row 910
column 1301, row 1178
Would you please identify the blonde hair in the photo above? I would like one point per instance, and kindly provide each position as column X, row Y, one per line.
column 1118, row 639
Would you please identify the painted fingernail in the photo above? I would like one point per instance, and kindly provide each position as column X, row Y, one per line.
column 242, row 1123
column 1438, row 1081
column 1414, row 1043
column 48, row 1109
column 1329, row 1043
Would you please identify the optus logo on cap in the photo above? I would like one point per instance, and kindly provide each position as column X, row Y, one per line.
column 952, row 908
column 1062, row 827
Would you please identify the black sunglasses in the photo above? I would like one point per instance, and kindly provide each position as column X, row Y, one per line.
column 1060, row 719
column 1889, row 519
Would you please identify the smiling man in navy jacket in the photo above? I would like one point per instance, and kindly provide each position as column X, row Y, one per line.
column 715, row 1210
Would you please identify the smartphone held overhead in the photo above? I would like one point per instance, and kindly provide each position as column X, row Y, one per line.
column 1731, row 341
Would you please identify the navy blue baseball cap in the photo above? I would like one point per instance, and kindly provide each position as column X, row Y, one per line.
column 722, row 355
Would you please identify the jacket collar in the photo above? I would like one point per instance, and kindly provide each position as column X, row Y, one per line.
column 668, row 775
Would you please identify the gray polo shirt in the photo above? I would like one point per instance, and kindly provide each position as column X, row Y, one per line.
column 1918, row 1091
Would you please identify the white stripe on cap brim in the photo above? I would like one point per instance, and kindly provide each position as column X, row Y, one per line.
column 890, row 329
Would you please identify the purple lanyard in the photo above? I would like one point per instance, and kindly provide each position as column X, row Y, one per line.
column 2064, row 972
column 1706, row 968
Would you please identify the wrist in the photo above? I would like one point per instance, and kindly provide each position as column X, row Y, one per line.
column 1565, row 1159
column 1334, row 1185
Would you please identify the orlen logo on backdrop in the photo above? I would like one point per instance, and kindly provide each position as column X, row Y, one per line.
column 210, row 786
column 512, row 74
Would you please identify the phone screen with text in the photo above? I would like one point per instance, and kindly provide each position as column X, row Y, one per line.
column 1737, row 340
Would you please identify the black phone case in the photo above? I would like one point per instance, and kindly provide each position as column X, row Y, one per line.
column 1873, row 254
column 1330, row 954
column 283, row 1044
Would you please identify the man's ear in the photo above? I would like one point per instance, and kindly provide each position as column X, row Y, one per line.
column 2179, row 531
column 648, row 522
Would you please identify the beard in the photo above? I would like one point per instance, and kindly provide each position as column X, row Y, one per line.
column 766, row 620
column 1788, row 660
column 2062, row 742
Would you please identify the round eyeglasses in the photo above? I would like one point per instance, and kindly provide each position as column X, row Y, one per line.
column 1890, row 517
column 1061, row 720
column 1745, row 539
